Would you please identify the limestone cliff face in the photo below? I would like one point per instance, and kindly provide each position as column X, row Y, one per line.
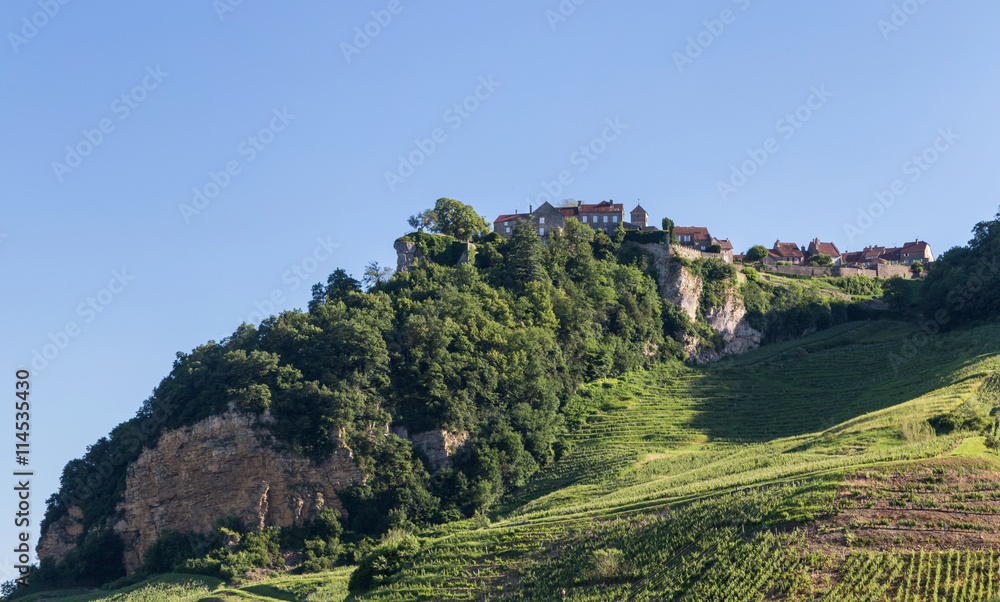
column 729, row 320
column 222, row 466
column 437, row 446
column 683, row 289
column 61, row 535
column 407, row 255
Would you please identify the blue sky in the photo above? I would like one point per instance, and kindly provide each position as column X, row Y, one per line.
column 761, row 120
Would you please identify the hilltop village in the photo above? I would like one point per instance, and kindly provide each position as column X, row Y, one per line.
column 607, row 215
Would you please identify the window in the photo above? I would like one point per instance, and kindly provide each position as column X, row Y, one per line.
column 508, row 230
column 541, row 220
column 605, row 219
column 507, row 224
column 614, row 218
column 541, row 231
column 585, row 219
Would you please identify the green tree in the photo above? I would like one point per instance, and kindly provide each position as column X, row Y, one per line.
column 918, row 266
column 714, row 249
column 756, row 253
column 668, row 227
column 338, row 284
column 820, row 260
column 453, row 218
column 619, row 236
column 375, row 274
column 523, row 256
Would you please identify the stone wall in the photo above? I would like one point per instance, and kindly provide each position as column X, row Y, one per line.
column 881, row 271
column 805, row 270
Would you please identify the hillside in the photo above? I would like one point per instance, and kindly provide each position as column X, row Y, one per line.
column 588, row 415
column 753, row 478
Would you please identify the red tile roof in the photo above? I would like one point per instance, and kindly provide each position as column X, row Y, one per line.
column 511, row 216
column 602, row 207
column 828, row 248
column 699, row 232
column 914, row 247
column 788, row 249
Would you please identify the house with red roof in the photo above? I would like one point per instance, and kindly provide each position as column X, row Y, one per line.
column 917, row 250
column 786, row 252
column 695, row 237
column 824, row 248
column 871, row 256
column 604, row 216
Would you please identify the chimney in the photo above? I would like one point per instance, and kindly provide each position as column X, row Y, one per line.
column 579, row 203
column 531, row 208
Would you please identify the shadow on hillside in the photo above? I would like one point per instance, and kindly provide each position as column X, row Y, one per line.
column 808, row 386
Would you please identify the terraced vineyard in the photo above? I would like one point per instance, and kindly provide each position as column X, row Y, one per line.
column 801, row 471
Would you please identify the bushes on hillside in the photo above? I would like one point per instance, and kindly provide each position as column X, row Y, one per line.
column 383, row 561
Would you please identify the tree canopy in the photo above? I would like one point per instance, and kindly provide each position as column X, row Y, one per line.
column 756, row 253
column 453, row 218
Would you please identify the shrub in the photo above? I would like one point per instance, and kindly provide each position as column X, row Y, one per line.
column 606, row 564
column 378, row 566
column 756, row 253
column 646, row 237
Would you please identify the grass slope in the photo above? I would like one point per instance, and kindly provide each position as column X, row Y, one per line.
column 801, row 471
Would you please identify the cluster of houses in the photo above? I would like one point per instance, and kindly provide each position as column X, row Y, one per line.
column 606, row 216
column 869, row 257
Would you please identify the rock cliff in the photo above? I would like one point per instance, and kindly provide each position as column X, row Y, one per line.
column 221, row 466
column 683, row 289
column 437, row 447
column 61, row 535
column 729, row 320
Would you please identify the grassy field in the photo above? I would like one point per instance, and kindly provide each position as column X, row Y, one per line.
column 802, row 471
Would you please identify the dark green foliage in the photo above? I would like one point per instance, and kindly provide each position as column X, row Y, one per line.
column 714, row 249
column 820, row 260
column 452, row 218
column 756, row 253
column 338, row 285
column 646, row 237
column 960, row 419
column 667, row 226
column 787, row 313
column 382, row 562
column 439, row 248
column 171, row 549
column 523, row 255
column 859, row 285
column 902, row 295
column 96, row 560
column 964, row 284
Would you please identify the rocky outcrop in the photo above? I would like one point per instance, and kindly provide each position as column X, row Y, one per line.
column 437, row 447
column 224, row 466
column 683, row 289
column 407, row 255
column 729, row 320
column 60, row 537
